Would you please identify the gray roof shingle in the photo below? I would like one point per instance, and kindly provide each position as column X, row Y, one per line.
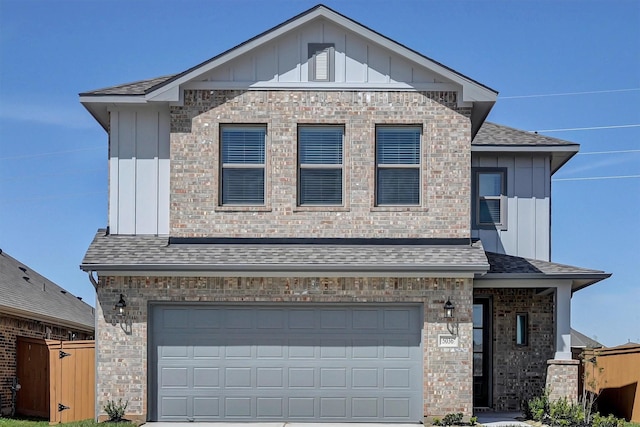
column 509, row 264
column 492, row 134
column 153, row 253
column 119, row 252
column 27, row 293
column 135, row 88
column 580, row 340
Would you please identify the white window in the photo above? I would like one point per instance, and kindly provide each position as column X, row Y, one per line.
column 490, row 198
column 321, row 62
column 398, row 165
column 242, row 160
column 320, row 161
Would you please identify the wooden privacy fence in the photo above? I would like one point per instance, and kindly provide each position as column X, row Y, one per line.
column 57, row 379
column 614, row 373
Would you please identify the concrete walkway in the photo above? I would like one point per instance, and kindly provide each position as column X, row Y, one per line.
column 500, row 419
column 489, row 419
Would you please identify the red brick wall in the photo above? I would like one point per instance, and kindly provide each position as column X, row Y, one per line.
column 10, row 329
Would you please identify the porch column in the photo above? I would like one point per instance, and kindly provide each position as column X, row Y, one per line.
column 563, row 322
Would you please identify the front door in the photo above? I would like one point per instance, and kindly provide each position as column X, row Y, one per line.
column 481, row 352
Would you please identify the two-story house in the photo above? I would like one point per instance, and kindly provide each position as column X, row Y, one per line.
column 319, row 225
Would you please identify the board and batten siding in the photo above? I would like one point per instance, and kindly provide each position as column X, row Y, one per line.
column 528, row 231
column 139, row 170
column 357, row 60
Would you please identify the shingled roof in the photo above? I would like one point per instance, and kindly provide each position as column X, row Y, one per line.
column 26, row 293
column 135, row 88
column 509, row 266
column 495, row 134
column 150, row 253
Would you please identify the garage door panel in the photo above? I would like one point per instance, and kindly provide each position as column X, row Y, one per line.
column 206, row 407
column 270, row 407
column 288, row 363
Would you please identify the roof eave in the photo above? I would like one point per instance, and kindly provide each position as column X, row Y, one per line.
column 468, row 270
column 30, row 315
column 560, row 154
column 579, row 280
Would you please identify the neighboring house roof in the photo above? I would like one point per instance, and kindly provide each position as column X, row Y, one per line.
column 276, row 256
column 514, row 267
column 498, row 138
column 579, row 340
column 25, row 293
column 167, row 89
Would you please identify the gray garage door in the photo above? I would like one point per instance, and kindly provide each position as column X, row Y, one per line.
column 297, row 363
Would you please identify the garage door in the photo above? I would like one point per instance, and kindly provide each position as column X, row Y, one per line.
column 276, row 363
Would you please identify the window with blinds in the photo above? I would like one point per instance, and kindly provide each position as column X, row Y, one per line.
column 243, row 159
column 490, row 197
column 398, row 165
column 320, row 165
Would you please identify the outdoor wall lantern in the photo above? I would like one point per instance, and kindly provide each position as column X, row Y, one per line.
column 449, row 309
column 120, row 306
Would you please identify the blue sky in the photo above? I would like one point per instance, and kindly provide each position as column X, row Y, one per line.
column 53, row 155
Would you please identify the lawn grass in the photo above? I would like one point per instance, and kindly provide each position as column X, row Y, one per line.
column 21, row 422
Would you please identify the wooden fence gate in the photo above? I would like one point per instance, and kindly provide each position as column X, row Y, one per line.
column 57, row 379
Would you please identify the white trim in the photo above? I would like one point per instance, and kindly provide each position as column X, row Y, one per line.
column 520, row 283
column 236, row 273
column 325, row 86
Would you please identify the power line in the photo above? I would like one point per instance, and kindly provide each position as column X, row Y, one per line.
column 610, row 152
column 78, row 172
column 589, row 128
column 570, row 93
column 593, row 178
column 28, row 156
column 55, row 197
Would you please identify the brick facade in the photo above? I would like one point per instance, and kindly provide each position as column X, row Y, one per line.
column 444, row 210
column 562, row 379
column 519, row 372
column 10, row 329
column 122, row 364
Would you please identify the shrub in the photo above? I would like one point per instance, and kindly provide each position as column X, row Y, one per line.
column 564, row 413
column 610, row 421
column 538, row 407
column 473, row 421
column 452, row 419
column 114, row 410
column 437, row 421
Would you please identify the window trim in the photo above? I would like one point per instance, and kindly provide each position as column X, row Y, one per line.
column 226, row 166
column 319, row 166
column 313, row 49
column 522, row 341
column 418, row 166
column 502, row 224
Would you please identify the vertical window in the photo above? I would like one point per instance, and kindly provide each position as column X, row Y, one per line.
column 320, row 162
column 490, row 190
column 321, row 62
column 398, row 165
column 242, row 156
column 522, row 329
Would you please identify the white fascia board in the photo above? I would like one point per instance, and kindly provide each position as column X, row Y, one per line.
column 574, row 148
column 113, row 99
column 214, row 85
column 481, row 283
column 471, row 91
column 235, row 272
